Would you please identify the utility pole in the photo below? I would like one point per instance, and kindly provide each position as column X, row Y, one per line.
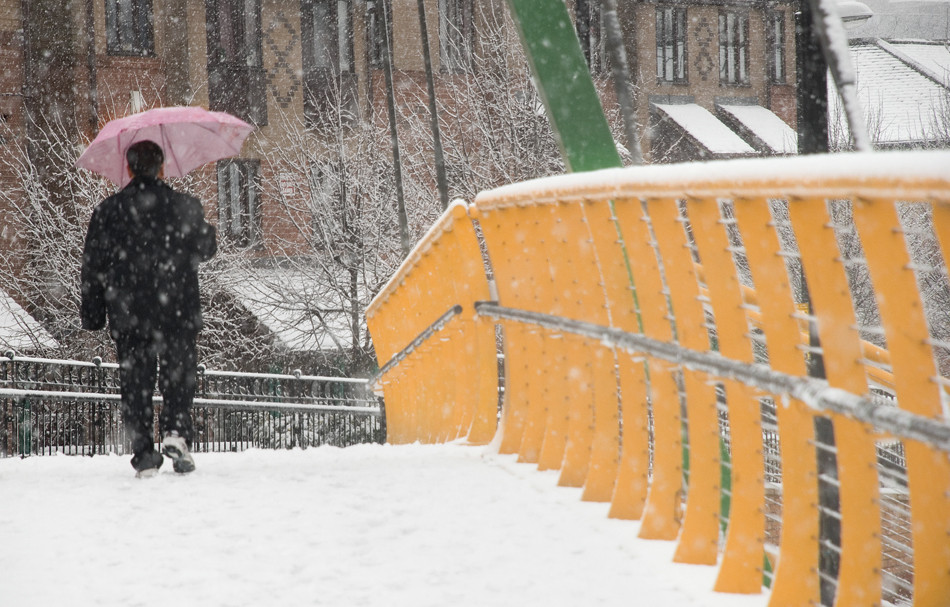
column 440, row 177
column 50, row 59
column 394, row 134
column 812, row 78
column 620, row 70
column 582, row 19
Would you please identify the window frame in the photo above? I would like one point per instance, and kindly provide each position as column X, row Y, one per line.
column 239, row 197
column 241, row 47
column 775, row 37
column 130, row 28
column 672, row 52
column 330, row 83
column 734, row 48
column 340, row 42
column 235, row 62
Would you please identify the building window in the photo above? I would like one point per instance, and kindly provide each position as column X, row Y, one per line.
column 328, row 34
column 733, row 48
column 455, row 34
column 238, row 195
column 129, row 27
column 671, row 45
column 374, row 30
column 235, row 70
column 329, row 70
column 775, row 41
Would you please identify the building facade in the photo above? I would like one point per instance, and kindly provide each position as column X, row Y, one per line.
column 263, row 60
column 714, row 79
column 717, row 79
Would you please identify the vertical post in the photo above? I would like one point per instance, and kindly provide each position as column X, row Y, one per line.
column 91, row 66
column 433, row 111
column 620, row 70
column 582, row 18
column 829, row 29
column 394, row 134
column 812, row 78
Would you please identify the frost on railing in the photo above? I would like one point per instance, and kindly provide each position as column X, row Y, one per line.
column 59, row 406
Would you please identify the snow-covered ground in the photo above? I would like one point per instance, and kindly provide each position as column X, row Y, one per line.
column 372, row 525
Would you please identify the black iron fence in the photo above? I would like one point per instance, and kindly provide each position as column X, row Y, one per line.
column 62, row 406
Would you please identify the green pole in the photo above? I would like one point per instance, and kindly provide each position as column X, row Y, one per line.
column 25, row 430
column 565, row 85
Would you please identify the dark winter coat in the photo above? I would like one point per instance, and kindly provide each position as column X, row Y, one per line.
column 140, row 261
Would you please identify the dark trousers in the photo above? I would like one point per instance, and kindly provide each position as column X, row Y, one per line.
column 176, row 369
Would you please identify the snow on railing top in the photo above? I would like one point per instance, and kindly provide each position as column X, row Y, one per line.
column 910, row 175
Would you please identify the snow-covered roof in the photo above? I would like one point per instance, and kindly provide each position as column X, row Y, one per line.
column 20, row 331
column 932, row 58
column 900, row 102
column 304, row 310
column 765, row 126
column 706, row 129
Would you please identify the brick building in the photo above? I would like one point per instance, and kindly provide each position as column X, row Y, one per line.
column 730, row 65
column 715, row 79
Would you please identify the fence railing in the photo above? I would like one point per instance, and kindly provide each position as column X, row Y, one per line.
column 59, row 406
column 750, row 357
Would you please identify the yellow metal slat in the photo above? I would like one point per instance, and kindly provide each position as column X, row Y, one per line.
column 905, row 328
column 859, row 577
column 795, row 579
column 746, row 526
column 663, row 515
column 630, row 491
column 658, row 521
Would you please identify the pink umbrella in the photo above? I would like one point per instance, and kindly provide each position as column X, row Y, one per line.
column 189, row 136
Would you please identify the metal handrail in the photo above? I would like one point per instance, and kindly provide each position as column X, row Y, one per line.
column 221, row 403
column 431, row 330
column 64, row 406
column 814, row 393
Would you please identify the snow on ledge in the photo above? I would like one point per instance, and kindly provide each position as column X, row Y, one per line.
column 708, row 130
column 765, row 125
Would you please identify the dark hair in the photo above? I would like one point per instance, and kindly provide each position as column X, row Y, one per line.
column 145, row 158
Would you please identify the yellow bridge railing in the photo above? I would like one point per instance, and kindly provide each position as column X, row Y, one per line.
column 673, row 338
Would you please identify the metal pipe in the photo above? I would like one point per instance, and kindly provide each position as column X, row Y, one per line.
column 440, row 176
column 394, row 135
column 418, row 341
column 814, row 393
column 620, row 70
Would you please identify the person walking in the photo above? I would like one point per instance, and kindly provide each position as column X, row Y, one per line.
column 140, row 271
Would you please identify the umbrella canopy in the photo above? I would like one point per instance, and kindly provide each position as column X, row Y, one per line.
column 189, row 136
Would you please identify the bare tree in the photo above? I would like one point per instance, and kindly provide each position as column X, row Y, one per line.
column 496, row 128
column 336, row 240
column 40, row 269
